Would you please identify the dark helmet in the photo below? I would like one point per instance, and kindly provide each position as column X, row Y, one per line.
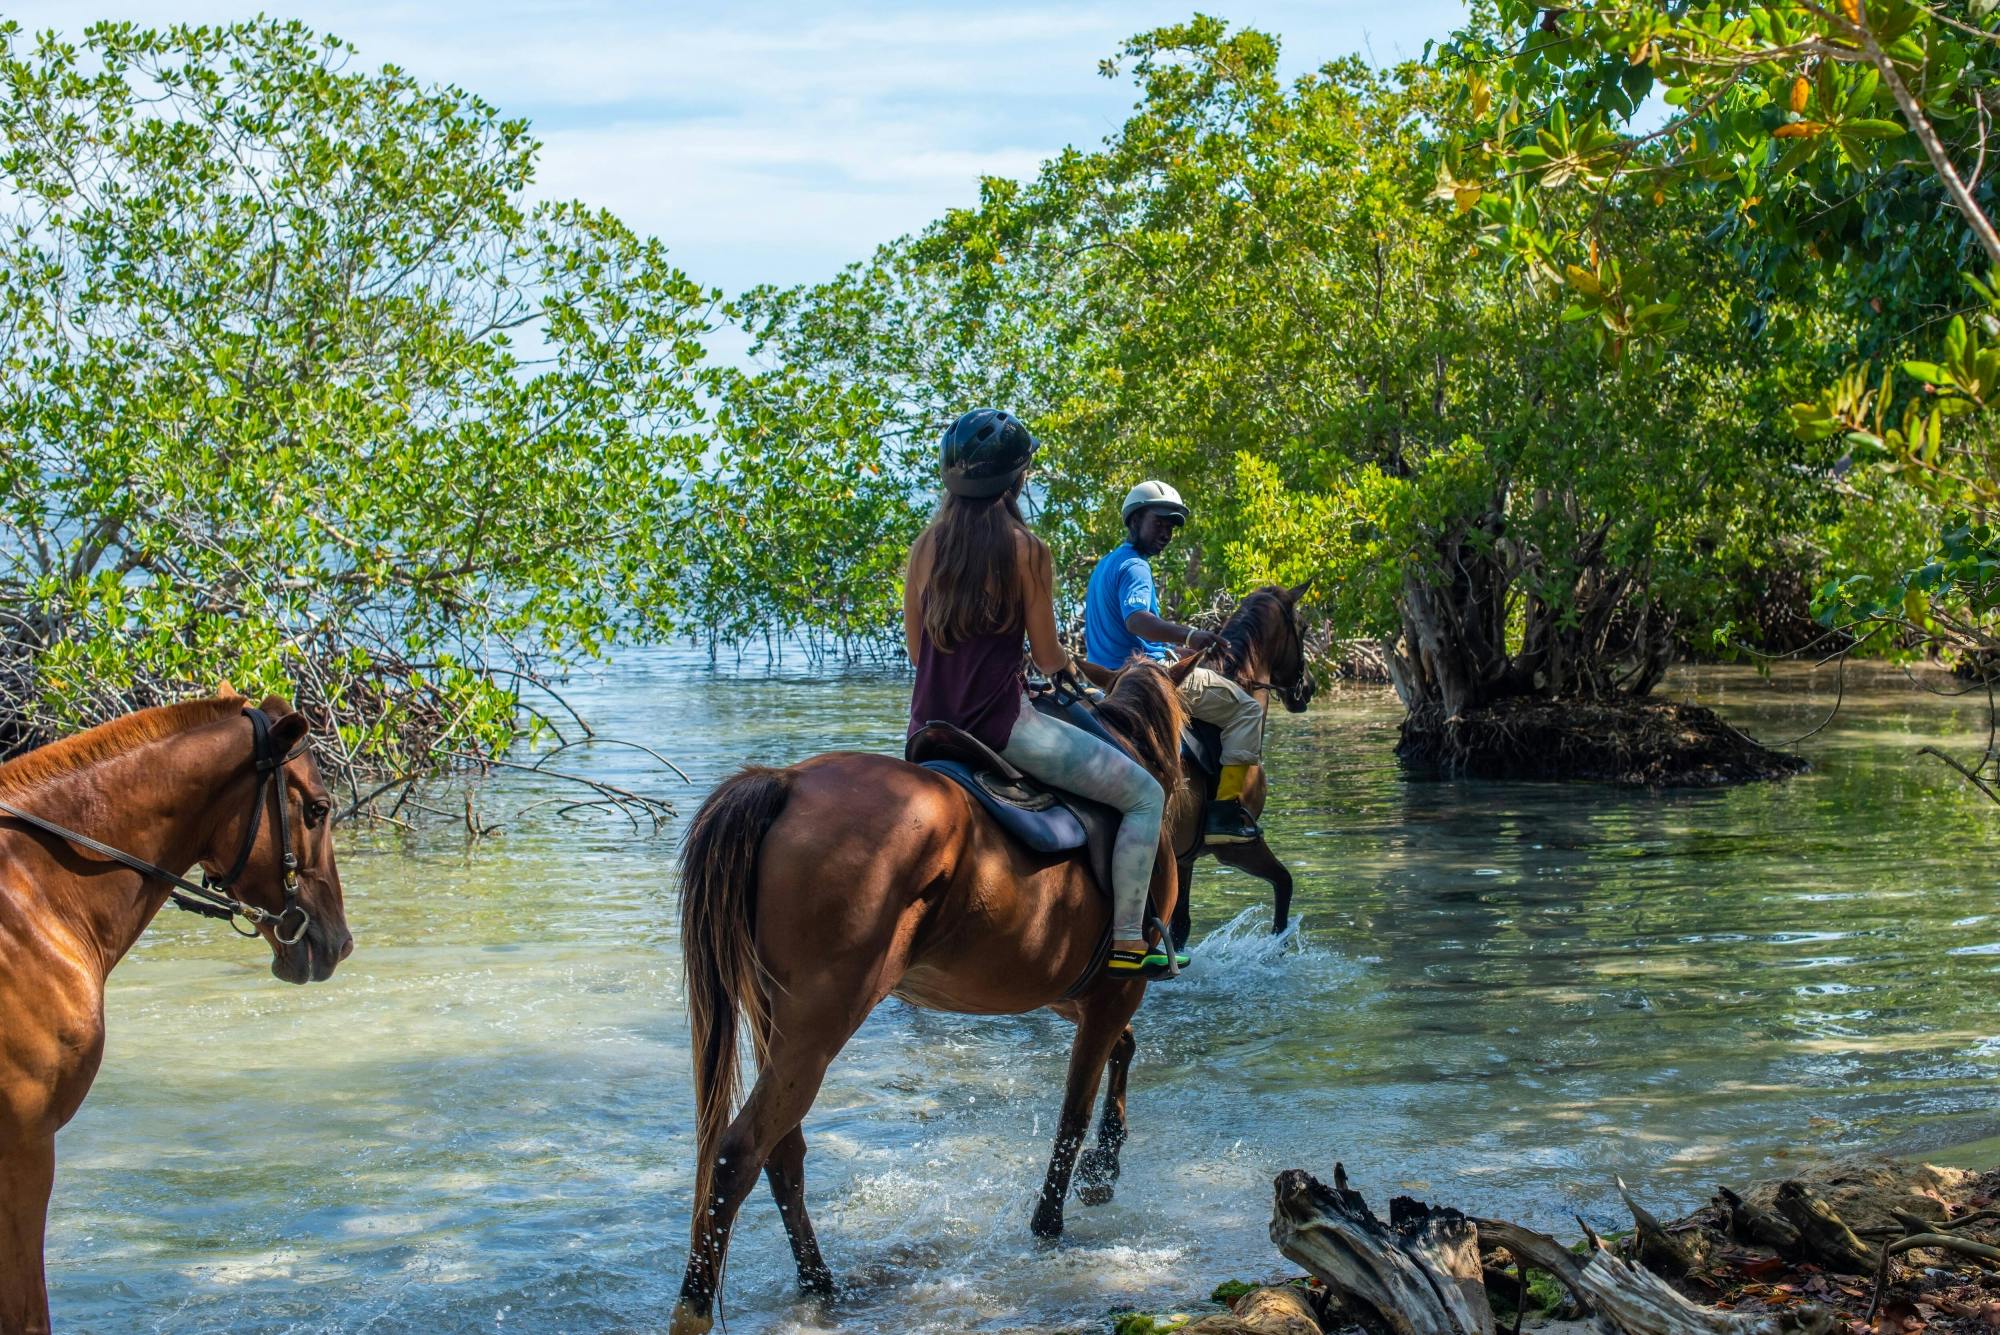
column 983, row 452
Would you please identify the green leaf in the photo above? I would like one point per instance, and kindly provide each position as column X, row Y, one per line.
column 1873, row 129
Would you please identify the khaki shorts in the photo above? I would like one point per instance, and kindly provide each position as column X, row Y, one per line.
column 1214, row 698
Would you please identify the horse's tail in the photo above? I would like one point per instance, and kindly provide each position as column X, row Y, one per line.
column 719, row 951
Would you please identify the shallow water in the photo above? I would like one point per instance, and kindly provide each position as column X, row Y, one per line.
column 1501, row 996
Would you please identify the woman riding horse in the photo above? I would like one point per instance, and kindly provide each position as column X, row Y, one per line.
column 978, row 582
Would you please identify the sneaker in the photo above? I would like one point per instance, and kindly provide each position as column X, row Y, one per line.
column 1229, row 823
column 1150, row 963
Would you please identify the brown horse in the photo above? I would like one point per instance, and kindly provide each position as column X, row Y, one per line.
column 811, row 893
column 1262, row 651
column 152, row 792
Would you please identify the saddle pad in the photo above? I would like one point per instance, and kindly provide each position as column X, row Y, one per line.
column 1201, row 746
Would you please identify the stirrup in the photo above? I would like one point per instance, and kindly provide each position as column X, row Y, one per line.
column 1235, row 817
column 1177, row 959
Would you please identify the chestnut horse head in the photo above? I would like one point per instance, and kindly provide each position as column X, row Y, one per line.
column 1263, row 646
column 198, row 783
column 290, row 869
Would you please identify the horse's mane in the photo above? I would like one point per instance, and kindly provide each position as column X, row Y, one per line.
column 1260, row 615
column 1144, row 708
column 121, row 735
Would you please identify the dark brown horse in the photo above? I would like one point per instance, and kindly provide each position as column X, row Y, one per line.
column 1262, row 651
column 811, row 893
column 166, row 788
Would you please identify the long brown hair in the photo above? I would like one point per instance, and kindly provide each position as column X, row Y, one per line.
column 975, row 585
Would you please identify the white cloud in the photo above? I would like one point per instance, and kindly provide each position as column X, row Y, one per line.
column 775, row 141
column 740, row 203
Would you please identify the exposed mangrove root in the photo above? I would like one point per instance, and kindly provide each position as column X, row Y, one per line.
column 1659, row 1250
column 1651, row 743
column 1633, row 1300
column 1824, row 1236
column 1758, row 1227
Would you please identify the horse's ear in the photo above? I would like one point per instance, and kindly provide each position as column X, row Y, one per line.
column 1296, row 592
column 277, row 706
column 288, row 732
column 1178, row 673
column 223, row 688
column 1100, row 677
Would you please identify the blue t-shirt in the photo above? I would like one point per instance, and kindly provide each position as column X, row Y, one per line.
column 1121, row 585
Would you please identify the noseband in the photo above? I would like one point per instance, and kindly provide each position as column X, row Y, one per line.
column 215, row 897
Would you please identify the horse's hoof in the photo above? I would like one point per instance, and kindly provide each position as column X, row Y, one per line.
column 1095, row 1193
column 817, row 1283
column 1047, row 1224
column 688, row 1322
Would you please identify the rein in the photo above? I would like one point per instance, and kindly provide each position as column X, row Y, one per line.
column 214, row 897
column 1288, row 690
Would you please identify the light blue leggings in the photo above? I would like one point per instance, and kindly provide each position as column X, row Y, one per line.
column 1071, row 759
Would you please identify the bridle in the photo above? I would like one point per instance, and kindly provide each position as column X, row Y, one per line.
column 215, row 897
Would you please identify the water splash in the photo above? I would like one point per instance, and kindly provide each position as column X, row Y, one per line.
column 1245, row 951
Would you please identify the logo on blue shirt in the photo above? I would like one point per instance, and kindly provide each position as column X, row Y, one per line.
column 1121, row 584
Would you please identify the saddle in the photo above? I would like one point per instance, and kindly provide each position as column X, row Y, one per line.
column 1045, row 819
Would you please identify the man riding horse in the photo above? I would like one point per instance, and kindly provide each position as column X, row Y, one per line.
column 1122, row 618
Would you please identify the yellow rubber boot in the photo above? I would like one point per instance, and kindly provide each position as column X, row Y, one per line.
column 1228, row 821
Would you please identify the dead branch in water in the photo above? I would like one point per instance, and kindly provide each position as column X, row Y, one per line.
column 1426, row 1270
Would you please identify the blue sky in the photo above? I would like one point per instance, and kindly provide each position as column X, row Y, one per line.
column 777, row 141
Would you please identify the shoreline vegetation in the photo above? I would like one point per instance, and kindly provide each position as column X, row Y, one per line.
column 1858, row 1245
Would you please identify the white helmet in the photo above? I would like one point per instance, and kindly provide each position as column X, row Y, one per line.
column 1156, row 495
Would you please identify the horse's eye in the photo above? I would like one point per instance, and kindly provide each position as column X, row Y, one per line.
column 315, row 813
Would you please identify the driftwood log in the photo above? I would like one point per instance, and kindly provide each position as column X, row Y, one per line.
column 1824, row 1236
column 1420, row 1274
column 1277, row 1310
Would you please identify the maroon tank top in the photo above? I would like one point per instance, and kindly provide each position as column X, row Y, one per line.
column 976, row 686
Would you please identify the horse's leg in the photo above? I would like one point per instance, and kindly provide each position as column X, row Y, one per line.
column 27, row 1172
column 1098, row 1168
column 778, row 1102
column 786, row 1171
column 1104, row 1016
column 1258, row 860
